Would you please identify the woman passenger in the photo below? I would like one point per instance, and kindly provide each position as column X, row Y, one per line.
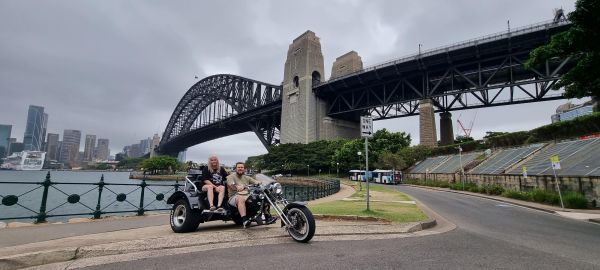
column 213, row 176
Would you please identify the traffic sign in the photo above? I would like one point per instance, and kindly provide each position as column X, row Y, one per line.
column 366, row 126
column 555, row 162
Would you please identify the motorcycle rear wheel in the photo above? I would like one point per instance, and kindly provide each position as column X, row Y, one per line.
column 303, row 226
column 182, row 218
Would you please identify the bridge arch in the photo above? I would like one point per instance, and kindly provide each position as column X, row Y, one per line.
column 229, row 103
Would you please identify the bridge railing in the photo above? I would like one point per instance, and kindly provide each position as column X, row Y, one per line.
column 458, row 45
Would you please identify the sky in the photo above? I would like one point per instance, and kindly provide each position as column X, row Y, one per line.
column 117, row 69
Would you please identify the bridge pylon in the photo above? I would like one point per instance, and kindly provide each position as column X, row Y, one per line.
column 304, row 115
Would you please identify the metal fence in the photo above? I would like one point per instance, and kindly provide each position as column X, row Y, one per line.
column 139, row 198
column 107, row 195
column 317, row 189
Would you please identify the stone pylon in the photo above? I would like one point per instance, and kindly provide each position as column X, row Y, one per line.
column 428, row 134
column 303, row 114
column 446, row 129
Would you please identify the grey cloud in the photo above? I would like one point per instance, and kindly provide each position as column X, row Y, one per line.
column 118, row 68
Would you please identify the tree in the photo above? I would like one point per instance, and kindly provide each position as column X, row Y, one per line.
column 160, row 163
column 392, row 161
column 582, row 43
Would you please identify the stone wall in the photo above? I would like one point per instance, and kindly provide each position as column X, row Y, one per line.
column 586, row 185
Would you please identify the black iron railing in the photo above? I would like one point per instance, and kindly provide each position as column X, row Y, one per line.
column 63, row 197
column 103, row 202
column 310, row 191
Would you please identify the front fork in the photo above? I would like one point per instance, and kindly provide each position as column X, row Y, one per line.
column 279, row 211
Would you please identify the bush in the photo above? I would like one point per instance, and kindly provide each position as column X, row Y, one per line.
column 513, row 194
column 575, row 200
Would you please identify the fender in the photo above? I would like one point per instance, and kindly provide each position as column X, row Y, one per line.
column 294, row 204
column 193, row 202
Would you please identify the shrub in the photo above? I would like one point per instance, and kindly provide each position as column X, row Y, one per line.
column 575, row 200
column 539, row 195
column 444, row 184
column 513, row 194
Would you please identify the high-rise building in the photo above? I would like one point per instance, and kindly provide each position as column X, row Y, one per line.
column 69, row 149
column 35, row 128
column 88, row 150
column 52, row 147
column 145, row 146
column 5, row 131
column 102, row 150
column 16, row 147
column 154, row 144
column 10, row 142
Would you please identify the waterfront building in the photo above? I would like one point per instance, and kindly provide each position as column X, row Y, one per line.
column 10, row 142
column 102, row 150
column 70, row 146
column 52, row 146
column 88, row 150
column 5, row 131
column 145, row 146
column 35, row 128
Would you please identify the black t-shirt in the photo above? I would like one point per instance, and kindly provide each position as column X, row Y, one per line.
column 216, row 178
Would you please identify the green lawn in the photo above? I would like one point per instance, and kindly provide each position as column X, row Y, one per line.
column 382, row 205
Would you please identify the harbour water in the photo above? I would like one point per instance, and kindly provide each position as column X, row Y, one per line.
column 73, row 184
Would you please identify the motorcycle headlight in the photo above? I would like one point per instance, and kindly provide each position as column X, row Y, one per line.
column 276, row 188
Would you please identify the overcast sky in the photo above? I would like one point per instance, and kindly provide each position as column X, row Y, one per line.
column 117, row 69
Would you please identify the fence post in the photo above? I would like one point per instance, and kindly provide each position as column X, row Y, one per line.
column 98, row 211
column 176, row 185
column 42, row 215
column 141, row 208
column 294, row 191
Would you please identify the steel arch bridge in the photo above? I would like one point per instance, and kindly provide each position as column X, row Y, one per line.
column 223, row 105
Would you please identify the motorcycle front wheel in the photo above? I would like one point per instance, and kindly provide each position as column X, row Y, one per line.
column 302, row 227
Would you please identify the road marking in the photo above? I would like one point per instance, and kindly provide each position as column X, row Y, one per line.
column 503, row 205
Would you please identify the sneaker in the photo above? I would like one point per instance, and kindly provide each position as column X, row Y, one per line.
column 220, row 210
column 213, row 208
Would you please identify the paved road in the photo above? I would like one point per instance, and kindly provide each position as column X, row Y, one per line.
column 489, row 235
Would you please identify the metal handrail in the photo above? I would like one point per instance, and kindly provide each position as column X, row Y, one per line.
column 97, row 211
column 458, row 45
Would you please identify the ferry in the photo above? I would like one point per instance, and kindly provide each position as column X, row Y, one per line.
column 24, row 161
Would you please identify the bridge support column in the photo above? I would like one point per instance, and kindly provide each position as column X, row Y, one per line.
column 446, row 130
column 427, row 132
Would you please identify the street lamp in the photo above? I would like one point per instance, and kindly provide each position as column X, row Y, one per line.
column 319, row 172
column 337, row 169
column 462, row 171
column 308, row 170
column 359, row 153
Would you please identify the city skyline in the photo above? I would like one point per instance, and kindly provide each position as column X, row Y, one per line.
column 150, row 63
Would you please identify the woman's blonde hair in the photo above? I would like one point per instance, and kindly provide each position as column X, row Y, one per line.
column 209, row 165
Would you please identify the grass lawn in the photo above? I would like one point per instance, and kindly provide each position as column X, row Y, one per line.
column 382, row 205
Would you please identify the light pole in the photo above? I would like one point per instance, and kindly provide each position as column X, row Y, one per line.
column 319, row 172
column 337, row 164
column 462, row 172
column 359, row 153
column 308, row 170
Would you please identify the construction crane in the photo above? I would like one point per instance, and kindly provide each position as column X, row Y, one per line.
column 466, row 131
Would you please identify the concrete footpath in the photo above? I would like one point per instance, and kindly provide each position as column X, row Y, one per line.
column 70, row 246
column 591, row 215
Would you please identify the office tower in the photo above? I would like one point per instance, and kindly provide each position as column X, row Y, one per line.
column 102, row 150
column 145, row 146
column 5, row 131
column 70, row 146
column 16, row 147
column 88, row 150
column 35, row 128
column 181, row 157
column 52, row 147
column 10, row 142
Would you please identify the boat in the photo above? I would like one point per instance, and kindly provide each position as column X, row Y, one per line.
column 24, row 161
